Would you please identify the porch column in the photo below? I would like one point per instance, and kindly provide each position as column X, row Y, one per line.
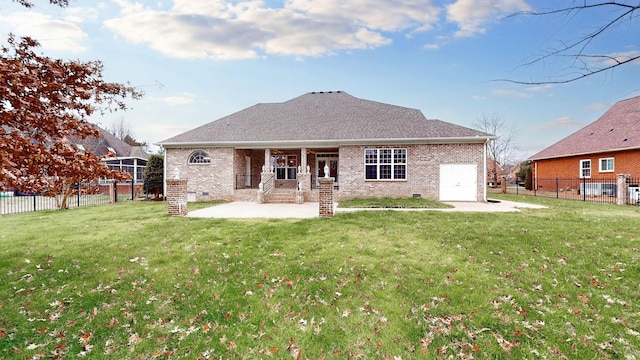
column 303, row 159
column 267, row 161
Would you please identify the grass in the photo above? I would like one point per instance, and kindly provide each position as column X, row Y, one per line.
column 127, row 281
column 394, row 203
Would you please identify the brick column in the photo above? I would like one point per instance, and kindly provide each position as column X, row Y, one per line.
column 112, row 191
column 622, row 189
column 325, row 197
column 304, row 179
column 177, row 197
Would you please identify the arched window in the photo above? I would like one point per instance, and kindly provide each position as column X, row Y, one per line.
column 199, row 157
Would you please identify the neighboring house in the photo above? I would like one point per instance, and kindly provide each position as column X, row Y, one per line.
column 599, row 151
column 370, row 148
column 494, row 172
column 115, row 153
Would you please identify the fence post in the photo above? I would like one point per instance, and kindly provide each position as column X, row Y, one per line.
column 557, row 189
column 113, row 191
column 622, row 189
column 584, row 189
column 132, row 189
column 34, row 202
column 78, row 197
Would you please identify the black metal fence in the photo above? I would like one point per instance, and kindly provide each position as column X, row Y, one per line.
column 86, row 194
column 602, row 190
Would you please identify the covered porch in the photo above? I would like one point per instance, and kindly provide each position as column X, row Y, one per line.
column 281, row 174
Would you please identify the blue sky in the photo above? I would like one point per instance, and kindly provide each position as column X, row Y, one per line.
column 198, row 61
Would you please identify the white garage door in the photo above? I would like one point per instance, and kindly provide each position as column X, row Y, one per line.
column 458, row 182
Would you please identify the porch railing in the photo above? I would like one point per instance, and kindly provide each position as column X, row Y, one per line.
column 268, row 184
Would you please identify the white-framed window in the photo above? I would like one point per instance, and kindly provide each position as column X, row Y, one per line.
column 385, row 164
column 606, row 165
column 199, row 157
column 585, row 168
column 286, row 166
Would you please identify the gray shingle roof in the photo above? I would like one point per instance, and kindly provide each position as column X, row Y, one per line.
column 617, row 129
column 322, row 116
column 99, row 145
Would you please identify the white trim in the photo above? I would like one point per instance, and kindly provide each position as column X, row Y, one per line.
column 335, row 157
column 484, row 173
column 392, row 164
column 328, row 143
column 582, row 168
column 612, row 163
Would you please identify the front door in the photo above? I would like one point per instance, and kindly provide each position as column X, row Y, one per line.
column 332, row 162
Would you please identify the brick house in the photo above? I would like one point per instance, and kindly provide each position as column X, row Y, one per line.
column 116, row 154
column 599, row 151
column 371, row 149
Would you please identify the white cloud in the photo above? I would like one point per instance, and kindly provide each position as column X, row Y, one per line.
column 221, row 29
column 540, row 87
column 564, row 122
column 505, row 92
column 183, row 99
column 473, row 16
column 57, row 34
column 598, row 106
column 617, row 58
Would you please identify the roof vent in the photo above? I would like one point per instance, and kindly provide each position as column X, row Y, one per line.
column 611, row 130
column 625, row 139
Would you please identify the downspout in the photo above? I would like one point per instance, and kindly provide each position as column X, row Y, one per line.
column 535, row 176
column 484, row 171
column 164, row 174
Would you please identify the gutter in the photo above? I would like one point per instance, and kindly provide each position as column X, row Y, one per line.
column 283, row 144
column 583, row 153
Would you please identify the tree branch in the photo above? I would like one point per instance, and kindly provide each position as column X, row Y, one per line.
column 581, row 45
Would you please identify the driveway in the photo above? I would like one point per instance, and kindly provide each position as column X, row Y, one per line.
column 246, row 210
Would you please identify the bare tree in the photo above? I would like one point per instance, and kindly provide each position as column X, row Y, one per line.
column 583, row 62
column 120, row 129
column 501, row 152
column 29, row 4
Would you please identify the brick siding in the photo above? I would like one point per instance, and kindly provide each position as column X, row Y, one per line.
column 625, row 162
column 423, row 171
column 216, row 181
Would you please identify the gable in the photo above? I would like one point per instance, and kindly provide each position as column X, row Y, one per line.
column 617, row 129
column 334, row 117
column 106, row 142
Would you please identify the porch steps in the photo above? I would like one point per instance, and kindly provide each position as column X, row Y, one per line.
column 282, row 196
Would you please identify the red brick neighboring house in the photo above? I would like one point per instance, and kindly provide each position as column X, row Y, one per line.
column 599, row 151
column 372, row 149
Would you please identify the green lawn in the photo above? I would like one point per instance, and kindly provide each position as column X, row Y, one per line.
column 127, row 281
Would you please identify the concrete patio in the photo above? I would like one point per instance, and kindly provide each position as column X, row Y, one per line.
column 252, row 210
